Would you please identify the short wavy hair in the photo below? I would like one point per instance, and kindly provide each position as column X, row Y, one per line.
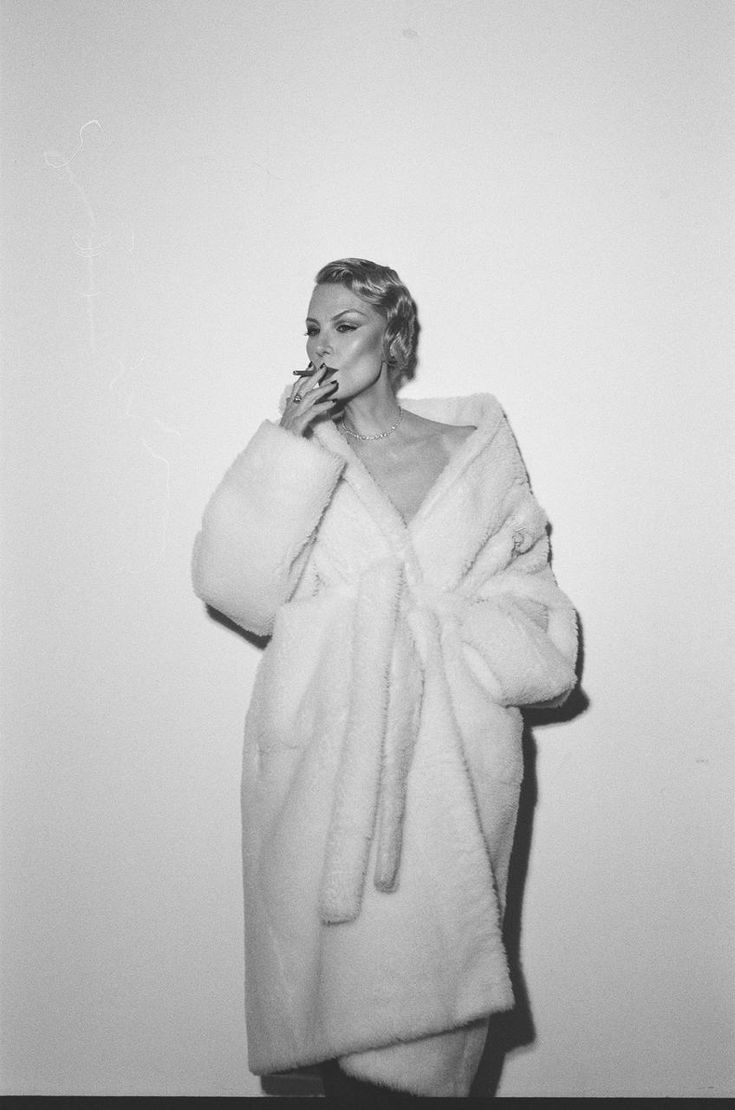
column 381, row 287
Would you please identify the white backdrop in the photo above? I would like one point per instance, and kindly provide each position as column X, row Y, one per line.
column 553, row 180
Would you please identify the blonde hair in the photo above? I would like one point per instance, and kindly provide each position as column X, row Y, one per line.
column 381, row 287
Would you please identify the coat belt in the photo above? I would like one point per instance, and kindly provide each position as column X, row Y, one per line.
column 382, row 726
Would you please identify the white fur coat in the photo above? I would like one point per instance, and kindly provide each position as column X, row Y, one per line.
column 382, row 757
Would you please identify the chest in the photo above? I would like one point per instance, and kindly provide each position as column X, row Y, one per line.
column 406, row 477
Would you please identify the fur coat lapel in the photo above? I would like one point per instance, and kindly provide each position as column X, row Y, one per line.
column 482, row 412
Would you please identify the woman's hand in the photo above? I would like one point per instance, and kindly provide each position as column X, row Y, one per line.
column 310, row 398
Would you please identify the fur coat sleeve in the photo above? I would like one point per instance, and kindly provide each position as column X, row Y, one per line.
column 382, row 757
column 260, row 525
column 520, row 632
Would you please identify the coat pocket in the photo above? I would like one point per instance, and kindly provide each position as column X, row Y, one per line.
column 491, row 733
column 304, row 674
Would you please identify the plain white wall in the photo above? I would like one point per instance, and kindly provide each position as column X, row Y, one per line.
column 553, row 180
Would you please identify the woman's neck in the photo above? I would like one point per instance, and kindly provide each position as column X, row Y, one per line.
column 373, row 411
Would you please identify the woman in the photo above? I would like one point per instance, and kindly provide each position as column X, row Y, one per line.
column 397, row 559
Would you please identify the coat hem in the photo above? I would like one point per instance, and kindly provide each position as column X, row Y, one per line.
column 348, row 1049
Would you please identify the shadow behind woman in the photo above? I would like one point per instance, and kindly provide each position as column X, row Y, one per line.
column 514, row 1028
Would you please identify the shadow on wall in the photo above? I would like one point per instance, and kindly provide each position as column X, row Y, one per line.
column 260, row 642
column 299, row 1083
column 513, row 1029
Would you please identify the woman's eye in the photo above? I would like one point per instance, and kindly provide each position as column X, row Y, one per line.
column 312, row 331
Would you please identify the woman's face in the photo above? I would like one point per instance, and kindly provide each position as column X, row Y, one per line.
column 346, row 333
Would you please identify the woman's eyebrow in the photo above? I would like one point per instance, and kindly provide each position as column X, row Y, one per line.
column 344, row 312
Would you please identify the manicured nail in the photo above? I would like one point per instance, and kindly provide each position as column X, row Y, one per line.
column 303, row 373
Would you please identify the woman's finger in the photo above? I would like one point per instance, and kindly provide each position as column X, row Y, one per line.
column 307, row 389
column 300, row 381
column 319, row 403
column 318, row 378
column 308, row 398
column 316, row 395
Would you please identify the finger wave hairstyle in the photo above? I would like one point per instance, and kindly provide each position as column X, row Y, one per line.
column 381, row 287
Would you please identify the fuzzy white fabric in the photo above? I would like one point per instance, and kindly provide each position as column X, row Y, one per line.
column 382, row 757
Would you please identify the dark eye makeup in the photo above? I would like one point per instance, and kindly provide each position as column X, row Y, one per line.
column 311, row 331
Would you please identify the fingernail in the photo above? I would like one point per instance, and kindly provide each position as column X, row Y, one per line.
column 302, row 373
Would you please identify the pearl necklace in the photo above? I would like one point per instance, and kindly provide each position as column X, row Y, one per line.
column 380, row 435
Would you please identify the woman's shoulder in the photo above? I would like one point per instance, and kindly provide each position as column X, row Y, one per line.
column 451, row 435
column 456, row 434
column 458, row 415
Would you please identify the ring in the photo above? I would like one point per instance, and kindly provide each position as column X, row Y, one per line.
column 297, row 396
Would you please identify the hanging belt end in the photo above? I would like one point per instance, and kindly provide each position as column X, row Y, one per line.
column 340, row 898
column 387, row 863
